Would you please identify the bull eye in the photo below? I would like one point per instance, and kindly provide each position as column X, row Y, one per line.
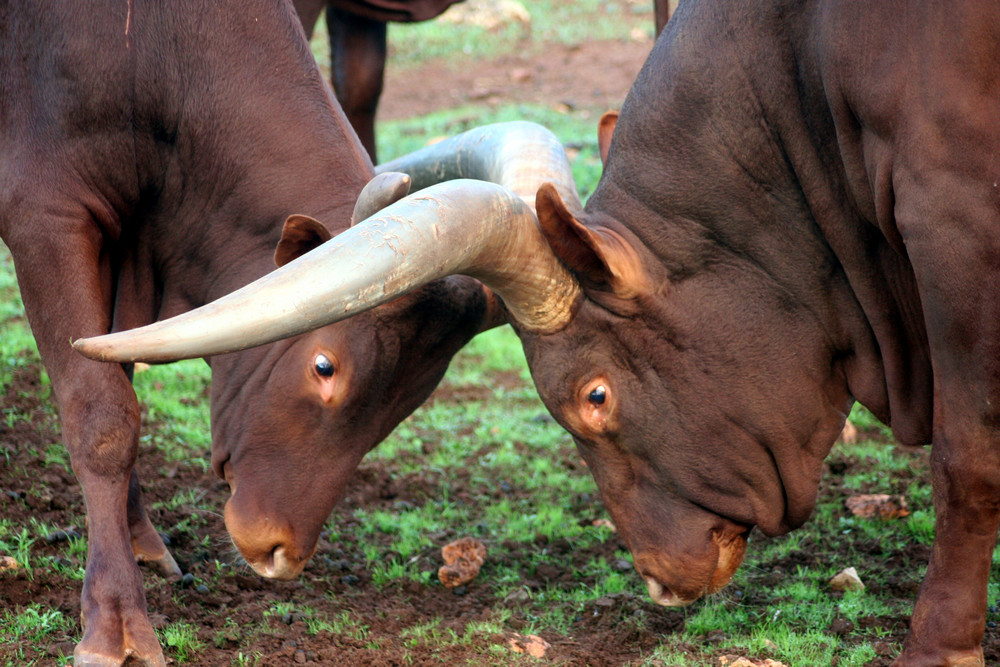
column 323, row 365
column 598, row 395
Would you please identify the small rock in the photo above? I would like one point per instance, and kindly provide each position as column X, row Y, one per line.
column 459, row 590
column 604, row 523
column 621, row 565
column 201, row 588
column 462, row 559
column 350, row 580
column 9, row 564
column 880, row 505
column 518, row 595
column 847, row 580
column 533, row 645
column 737, row 661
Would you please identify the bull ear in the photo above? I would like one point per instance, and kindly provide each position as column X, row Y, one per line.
column 600, row 257
column 299, row 235
column 605, row 128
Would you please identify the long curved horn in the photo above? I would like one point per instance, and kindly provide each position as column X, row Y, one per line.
column 481, row 230
column 496, row 240
column 519, row 155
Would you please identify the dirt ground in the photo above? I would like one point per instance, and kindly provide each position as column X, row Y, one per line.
column 611, row 633
column 589, row 75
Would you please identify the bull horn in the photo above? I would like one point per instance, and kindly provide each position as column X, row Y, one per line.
column 519, row 155
column 475, row 228
column 386, row 188
column 490, row 234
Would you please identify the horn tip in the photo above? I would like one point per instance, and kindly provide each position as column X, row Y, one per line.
column 92, row 348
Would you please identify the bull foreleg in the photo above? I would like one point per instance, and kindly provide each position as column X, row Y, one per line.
column 357, row 68
column 949, row 229
column 65, row 284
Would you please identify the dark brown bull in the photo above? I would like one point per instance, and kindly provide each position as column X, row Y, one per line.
column 800, row 216
column 144, row 171
column 357, row 31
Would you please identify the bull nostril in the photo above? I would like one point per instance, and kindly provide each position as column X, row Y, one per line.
column 277, row 565
column 662, row 595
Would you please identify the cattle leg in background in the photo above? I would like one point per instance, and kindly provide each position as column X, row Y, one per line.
column 662, row 11
column 358, row 49
column 357, row 69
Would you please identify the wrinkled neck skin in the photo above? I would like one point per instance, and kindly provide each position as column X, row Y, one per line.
column 224, row 158
column 744, row 359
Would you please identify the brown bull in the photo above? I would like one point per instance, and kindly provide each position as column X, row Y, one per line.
column 796, row 217
column 146, row 170
column 357, row 30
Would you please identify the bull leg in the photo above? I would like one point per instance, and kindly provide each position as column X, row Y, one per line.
column 950, row 614
column 147, row 545
column 949, row 230
column 100, row 420
column 357, row 69
column 662, row 10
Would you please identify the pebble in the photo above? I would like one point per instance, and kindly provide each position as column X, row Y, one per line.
column 621, row 565
column 350, row 580
column 201, row 588
column 186, row 580
column 459, row 590
column 62, row 536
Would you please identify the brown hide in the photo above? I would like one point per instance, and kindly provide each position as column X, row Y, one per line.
column 144, row 171
column 813, row 203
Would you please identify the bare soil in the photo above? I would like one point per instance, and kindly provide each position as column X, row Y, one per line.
column 591, row 75
column 611, row 632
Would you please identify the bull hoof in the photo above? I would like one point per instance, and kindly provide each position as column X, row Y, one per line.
column 88, row 659
column 148, row 548
column 972, row 658
column 165, row 565
column 133, row 641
